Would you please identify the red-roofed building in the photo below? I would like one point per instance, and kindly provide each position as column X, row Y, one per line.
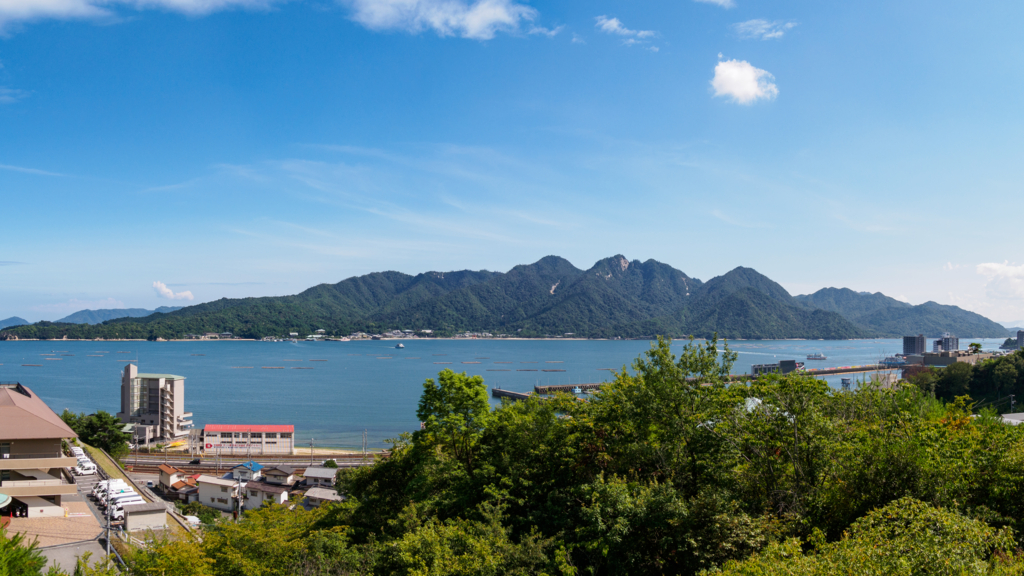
column 248, row 439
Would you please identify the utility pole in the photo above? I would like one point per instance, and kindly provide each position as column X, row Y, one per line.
column 310, row 452
column 1013, row 402
column 109, row 507
column 364, row 446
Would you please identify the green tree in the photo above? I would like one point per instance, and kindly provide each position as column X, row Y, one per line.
column 454, row 412
column 18, row 557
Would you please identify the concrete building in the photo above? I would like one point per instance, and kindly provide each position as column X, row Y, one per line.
column 280, row 475
column 783, row 367
column 169, row 476
column 914, row 345
column 217, row 493
column 32, row 464
column 1020, row 339
column 941, row 359
column 948, row 343
column 248, row 439
column 149, row 516
column 155, row 403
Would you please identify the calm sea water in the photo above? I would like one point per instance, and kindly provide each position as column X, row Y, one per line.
column 333, row 391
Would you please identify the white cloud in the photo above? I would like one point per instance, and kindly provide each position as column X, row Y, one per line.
column 12, row 11
column 743, row 83
column 722, row 3
column 479, row 19
column 10, row 95
column 1004, row 281
column 762, row 29
column 577, row 39
column 166, row 292
column 549, row 32
column 614, row 26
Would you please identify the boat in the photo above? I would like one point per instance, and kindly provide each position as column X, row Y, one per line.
column 817, row 356
column 400, row 345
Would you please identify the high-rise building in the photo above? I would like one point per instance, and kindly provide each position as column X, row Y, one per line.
column 155, row 403
column 1020, row 339
column 914, row 345
column 948, row 343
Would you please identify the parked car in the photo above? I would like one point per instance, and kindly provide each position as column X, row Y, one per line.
column 195, row 462
column 149, row 484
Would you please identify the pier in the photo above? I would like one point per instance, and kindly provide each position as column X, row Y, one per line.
column 567, row 388
column 499, row 393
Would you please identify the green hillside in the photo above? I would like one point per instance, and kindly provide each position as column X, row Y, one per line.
column 615, row 297
column 891, row 318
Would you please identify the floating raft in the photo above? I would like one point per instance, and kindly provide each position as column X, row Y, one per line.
column 470, row 362
column 554, row 361
column 442, row 362
column 526, row 369
column 498, row 370
column 33, row 365
column 272, row 367
column 318, row 360
column 552, row 370
column 302, row 367
column 241, row 367
column 502, row 362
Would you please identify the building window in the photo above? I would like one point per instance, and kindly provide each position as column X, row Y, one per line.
column 271, row 434
column 223, row 489
column 256, row 435
column 286, row 434
column 238, row 434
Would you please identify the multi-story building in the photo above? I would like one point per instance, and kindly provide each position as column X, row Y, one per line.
column 248, row 439
column 32, row 463
column 1020, row 339
column 155, row 403
column 948, row 343
column 914, row 345
column 219, row 493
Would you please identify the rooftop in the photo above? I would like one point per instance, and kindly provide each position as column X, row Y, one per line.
column 147, row 507
column 170, row 469
column 320, row 472
column 24, row 416
column 204, row 479
column 250, row 465
column 268, row 488
column 323, row 494
column 148, row 376
column 283, row 469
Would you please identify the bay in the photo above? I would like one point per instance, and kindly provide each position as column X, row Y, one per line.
column 333, row 391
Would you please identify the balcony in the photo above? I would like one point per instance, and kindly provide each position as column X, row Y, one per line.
column 42, row 485
column 36, row 461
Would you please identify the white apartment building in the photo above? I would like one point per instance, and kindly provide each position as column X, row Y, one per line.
column 217, row 493
column 155, row 403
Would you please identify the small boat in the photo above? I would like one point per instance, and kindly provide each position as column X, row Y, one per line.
column 817, row 356
column 400, row 345
column 577, row 390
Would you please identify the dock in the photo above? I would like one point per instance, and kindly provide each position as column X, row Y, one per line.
column 567, row 387
column 499, row 393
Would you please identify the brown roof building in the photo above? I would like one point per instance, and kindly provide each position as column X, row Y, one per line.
column 32, row 464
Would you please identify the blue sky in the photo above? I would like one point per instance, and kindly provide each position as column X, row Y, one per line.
column 156, row 150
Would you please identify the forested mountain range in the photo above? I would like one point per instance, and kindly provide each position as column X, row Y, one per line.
column 615, row 297
column 98, row 316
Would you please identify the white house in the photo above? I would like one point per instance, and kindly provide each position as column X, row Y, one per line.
column 247, row 471
column 169, row 476
column 259, row 493
column 320, row 476
column 317, row 496
column 281, row 475
column 217, row 492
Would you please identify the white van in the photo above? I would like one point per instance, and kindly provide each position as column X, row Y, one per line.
column 120, row 504
column 77, row 451
column 85, row 469
column 114, row 494
column 113, row 486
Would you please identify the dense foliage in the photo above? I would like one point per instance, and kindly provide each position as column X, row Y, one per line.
column 101, row 430
column 614, row 298
column 669, row 470
column 990, row 381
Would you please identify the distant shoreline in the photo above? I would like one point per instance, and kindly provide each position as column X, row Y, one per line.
column 518, row 339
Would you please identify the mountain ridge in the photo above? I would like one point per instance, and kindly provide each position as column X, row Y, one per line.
column 615, row 297
column 102, row 315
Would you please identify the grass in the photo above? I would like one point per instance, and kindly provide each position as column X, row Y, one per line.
column 103, row 462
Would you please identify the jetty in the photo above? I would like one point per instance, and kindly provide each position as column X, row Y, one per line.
column 499, row 393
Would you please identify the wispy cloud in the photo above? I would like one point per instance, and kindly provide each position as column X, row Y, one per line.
column 11, row 95
column 166, row 292
column 742, row 83
column 615, row 26
column 10, row 263
column 577, row 39
column 762, row 29
column 723, row 3
column 478, row 20
column 542, row 31
column 15, row 11
column 737, row 222
column 24, row 170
